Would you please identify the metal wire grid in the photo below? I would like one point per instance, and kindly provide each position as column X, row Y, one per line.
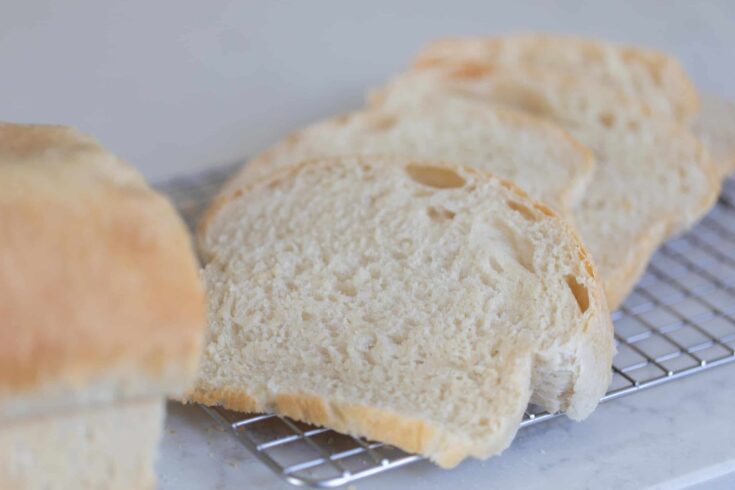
column 680, row 320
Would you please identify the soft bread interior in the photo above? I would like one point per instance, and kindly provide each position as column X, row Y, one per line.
column 416, row 304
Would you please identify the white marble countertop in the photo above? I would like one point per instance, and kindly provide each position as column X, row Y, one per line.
column 673, row 436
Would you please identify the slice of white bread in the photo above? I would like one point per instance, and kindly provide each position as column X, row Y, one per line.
column 101, row 306
column 640, row 73
column 109, row 446
column 538, row 156
column 415, row 304
column 652, row 179
column 715, row 127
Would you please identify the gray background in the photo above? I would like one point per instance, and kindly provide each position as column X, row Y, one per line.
column 176, row 86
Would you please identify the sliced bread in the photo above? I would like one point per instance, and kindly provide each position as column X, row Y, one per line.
column 538, row 156
column 640, row 73
column 654, row 79
column 652, row 179
column 415, row 304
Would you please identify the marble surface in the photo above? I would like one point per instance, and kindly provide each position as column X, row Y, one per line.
column 677, row 435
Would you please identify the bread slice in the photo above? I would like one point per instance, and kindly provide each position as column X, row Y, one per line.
column 541, row 158
column 415, row 304
column 653, row 178
column 715, row 127
column 642, row 74
column 110, row 447
column 100, row 296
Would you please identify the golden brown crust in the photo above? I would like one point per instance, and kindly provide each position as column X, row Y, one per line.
column 98, row 280
column 229, row 398
column 411, row 435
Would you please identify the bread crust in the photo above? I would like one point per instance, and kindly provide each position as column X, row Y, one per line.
column 99, row 285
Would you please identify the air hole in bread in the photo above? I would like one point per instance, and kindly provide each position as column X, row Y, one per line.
column 439, row 214
column 438, row 177
column 607, row 119
column 579, row 291
column 525, row 211
column 522, row 98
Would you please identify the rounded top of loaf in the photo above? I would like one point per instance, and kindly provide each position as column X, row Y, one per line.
column 99, row 289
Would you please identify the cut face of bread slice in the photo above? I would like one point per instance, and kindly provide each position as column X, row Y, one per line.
column 715, row 127
column 415, row 304
column 642, row 74
column 652, row 179
column 538, row 156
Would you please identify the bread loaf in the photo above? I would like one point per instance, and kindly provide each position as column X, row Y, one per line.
column 102, row 313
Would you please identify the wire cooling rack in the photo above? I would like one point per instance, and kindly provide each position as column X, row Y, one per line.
column 680, row 320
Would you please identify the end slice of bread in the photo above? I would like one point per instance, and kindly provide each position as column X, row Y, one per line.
column 642, row 74
column 537, row 155
column 653, row 179
column 406, row 302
